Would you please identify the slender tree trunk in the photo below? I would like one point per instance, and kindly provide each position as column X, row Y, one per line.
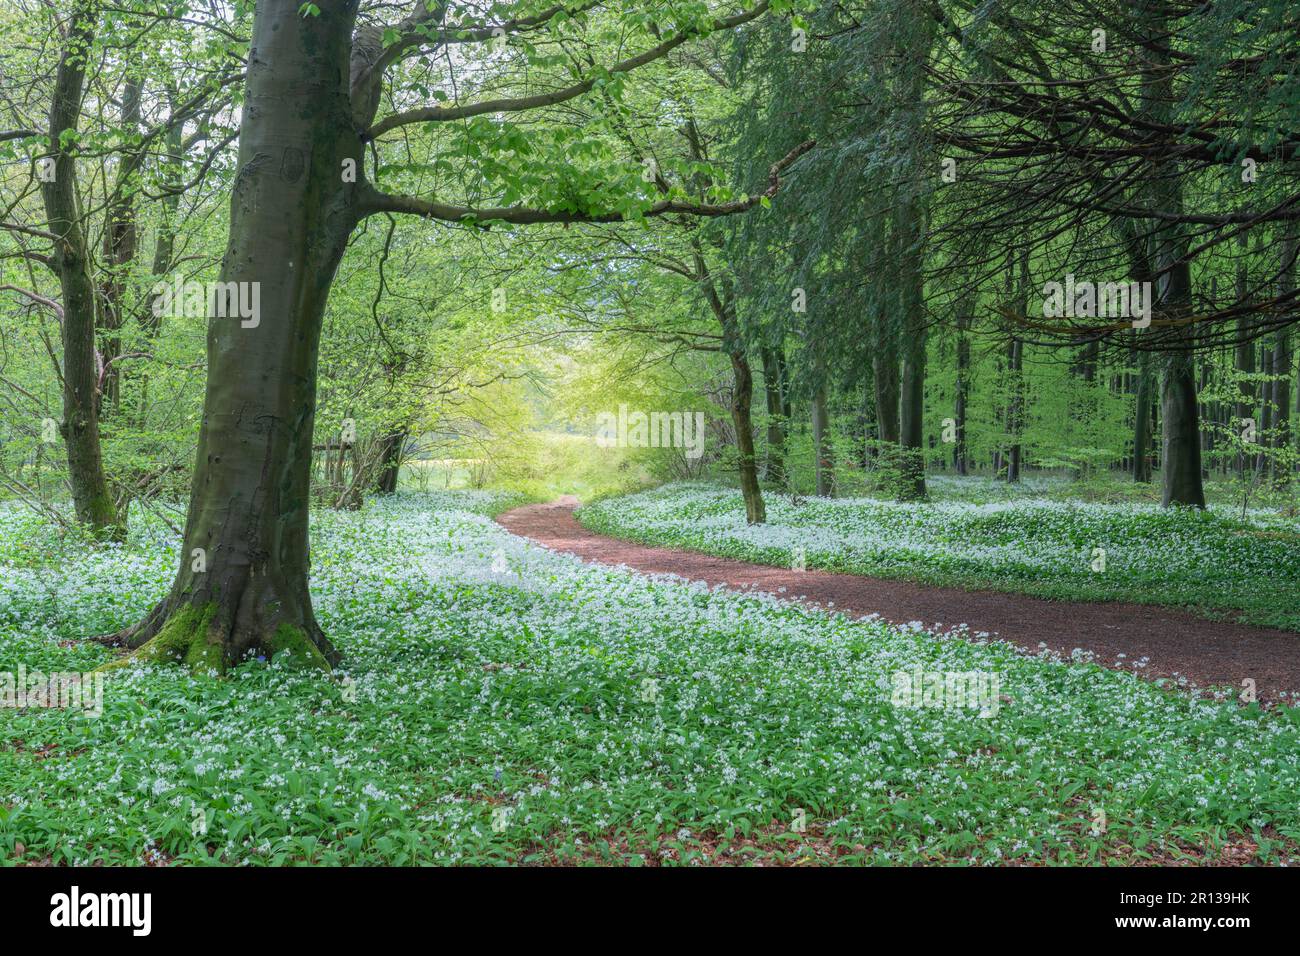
column 1142, row 421
column 959, row 460
column 1016, row 406
column 163, row 252
column 1245, row 364
column 822, row 453
column 742, row 396
column 70, row 260
column 912, row 418
column 1181, row 458
column 774, row 388
column 884, row 367
column 119, row 250
column 242, row 586
column 1282, row 358
column 1264, row 439
column 862, row 443
column 390, row 461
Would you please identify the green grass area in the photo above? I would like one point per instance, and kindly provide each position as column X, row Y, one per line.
column 978, row 533
column 501, row 703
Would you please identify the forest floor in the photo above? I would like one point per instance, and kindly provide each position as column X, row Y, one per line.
column 501, row 702
column 1153, row 642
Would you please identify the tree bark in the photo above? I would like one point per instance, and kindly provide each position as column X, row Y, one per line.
column 824, row 462
column 742, row 396
column 959, row 460
column 1245, row 365
column 884, row 368
column 70, row 260
column 119, row 250
column 1181, row 445
column 1016, row 406
column 242, row 586
column 1142, row 421
column 1282, row 357
column 774, row 388
column 390, row 464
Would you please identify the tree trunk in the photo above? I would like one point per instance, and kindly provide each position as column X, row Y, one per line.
column 1142, row 421
column 742, row 397
column 390, row 461
column 774, row 388
column 824, row 464
column 1181, row 445
column 1282, row 356
column 959, row 461
column 242, row 586
column 70, row 260
column 119, row 249
column 163, row 252
column 884, row 368
column 1016, row 406
column 912, row 420
column 1245, row 364
column 1181, row 458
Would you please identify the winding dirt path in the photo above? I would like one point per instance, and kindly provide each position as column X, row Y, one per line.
column 1150, row 641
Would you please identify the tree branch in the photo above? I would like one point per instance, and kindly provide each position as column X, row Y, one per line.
column 437, row 114
column 374, row 201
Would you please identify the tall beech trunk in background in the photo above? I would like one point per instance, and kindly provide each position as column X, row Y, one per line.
column 70, row 261
column 774, row 388
column 390, row 461
column 912, row 415
column 1244, row 360
column 824, row 461
column 867, row 423
column 242, row 586
column 163, row 251
column 884, row 374
column 723, row 305
column 1264, row 439
column 742, row 396
column 1142, row 421
column 1181, row 444
column 959, row 462
column 916, row 41
column 1181, row 452
column 120, row 237
column 1282, row 357
column 1015, row 406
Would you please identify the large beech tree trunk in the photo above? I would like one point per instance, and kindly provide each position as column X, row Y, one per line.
column 242, row 585
column 70, row 260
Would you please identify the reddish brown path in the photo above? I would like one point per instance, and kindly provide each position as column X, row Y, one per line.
column 1174, row 643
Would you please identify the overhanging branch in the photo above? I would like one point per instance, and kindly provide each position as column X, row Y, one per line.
column 375, row 201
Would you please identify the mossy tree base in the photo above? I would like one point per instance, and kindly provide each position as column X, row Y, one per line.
column 198, row 637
